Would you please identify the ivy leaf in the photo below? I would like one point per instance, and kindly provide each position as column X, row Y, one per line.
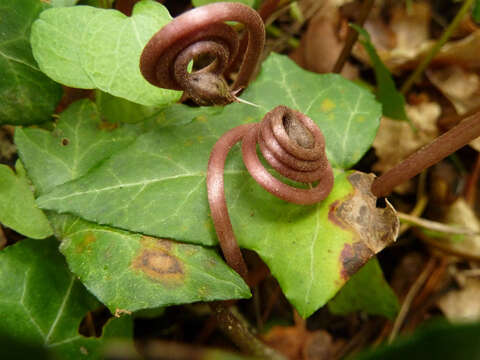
column 128, row 272
column 164, row 193
column 18, row 210
column 391, row 99
column 103, row 51
column 86, row 245
column 42, row 303
column 367, row 290
column 79, row 141
column 26, row 94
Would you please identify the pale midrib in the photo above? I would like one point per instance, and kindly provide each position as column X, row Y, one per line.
column 127, row 185
column 60, row 310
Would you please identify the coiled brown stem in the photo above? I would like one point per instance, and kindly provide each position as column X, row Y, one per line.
column 293, row 145
column 202, row 32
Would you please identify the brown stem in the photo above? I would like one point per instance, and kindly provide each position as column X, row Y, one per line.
column 352, row 36
column 198, row 32
column 293, row 145
column 429, row 155
column 240, row 335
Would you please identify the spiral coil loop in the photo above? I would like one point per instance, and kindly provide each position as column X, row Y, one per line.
column 293, row 145
column 202, row 32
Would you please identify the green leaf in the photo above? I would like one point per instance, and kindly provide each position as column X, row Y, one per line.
column 162, row 191
column 128, row 272
column 43, row 304
column 476, row 11
column 87, row 47
column 205, row 2
column 18, row 210
column 367, row 291
column 391, row 99
column 62, row 3
column 79, row 142
column 27, row 96
column 437, row 340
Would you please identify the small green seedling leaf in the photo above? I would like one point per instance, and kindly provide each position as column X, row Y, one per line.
column 128, row 272
column 392, row 100
column 42, row 303
column 87, row 47
column 27, row 96
column 368, row 291
column 18, row 209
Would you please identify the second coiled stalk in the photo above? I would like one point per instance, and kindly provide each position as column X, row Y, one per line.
column 293, row 145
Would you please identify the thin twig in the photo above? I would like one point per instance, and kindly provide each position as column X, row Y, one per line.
column 352, row 36
column 435, row 226
column 436, row 48
column 412, row 292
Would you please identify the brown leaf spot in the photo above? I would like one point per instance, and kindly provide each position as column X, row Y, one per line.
column 107, row 126
column 373, row 228
column 65, row 141
column 353, row 257
column 86, row 244
column 156, row 260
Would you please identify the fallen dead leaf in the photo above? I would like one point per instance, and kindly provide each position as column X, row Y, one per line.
column 323, row 41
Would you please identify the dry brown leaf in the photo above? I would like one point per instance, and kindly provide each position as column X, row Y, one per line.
column 464, row 52
column 396, row 140
column 460, row 86
column 462, row 305
column 322, row 43
column 400, row 42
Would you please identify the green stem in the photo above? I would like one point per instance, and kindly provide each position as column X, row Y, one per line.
column 436, row 48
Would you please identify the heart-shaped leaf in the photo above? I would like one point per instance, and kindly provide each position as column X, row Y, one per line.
column 18, row 209
column 27, row 96
column 87, row 47
column 28, row 271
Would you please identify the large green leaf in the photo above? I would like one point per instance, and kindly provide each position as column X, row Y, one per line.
column 79, row 141
column 89, row 141
column 42, row 303
column 18, row 210
column 87, row 47
column 156, row 186
column 130, row 272
column 367, row 290
column 27, row 96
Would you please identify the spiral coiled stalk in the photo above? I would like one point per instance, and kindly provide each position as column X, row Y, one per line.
column 293, row 145
column 202, row 32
